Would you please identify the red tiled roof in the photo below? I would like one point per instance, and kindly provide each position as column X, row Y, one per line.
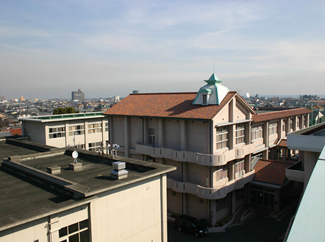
column 279, row 114
column 282, row 143
column 16, row 131
column 271, row 171
column 167, row 105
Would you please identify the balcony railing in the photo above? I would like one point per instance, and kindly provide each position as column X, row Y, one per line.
column 219, row 159
column 210, row 193
column 295, row 172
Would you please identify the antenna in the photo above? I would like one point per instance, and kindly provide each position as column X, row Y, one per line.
column 75, row 156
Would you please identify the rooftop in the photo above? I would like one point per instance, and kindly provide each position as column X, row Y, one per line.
column 308, row 223
column 269, row 171
column 64, row 117
column 28, row 192
column 279, row 114
column 166, row 105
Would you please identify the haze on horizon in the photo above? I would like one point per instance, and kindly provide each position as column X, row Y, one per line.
column 107, row 48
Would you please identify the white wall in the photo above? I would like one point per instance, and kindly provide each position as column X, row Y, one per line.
column 36, row 230
column 129, row 214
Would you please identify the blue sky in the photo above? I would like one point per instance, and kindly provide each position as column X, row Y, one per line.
column 107, row 48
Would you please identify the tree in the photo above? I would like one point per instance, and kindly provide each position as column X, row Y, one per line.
column 65, row 110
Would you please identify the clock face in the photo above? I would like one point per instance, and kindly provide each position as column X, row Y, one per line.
column 75, row 154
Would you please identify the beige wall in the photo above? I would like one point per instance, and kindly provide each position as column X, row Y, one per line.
column 198, row 136
column 197, row 207
column 35, row 131
column 135, row 131
column 118, row 130
column 177, row 174
column 198, row 174
column 172, row 134
column 174, row 202
column 129, row 214
column 32, row 231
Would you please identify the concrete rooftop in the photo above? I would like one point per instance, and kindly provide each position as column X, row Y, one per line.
column 25, row 189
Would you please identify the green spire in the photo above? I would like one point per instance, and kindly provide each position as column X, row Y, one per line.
column 213, row 79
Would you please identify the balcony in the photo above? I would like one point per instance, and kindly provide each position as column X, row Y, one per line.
column 218, row 159
column 295, row 172
column 217, row 192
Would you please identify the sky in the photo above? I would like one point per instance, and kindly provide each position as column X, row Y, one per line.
column 108, row 48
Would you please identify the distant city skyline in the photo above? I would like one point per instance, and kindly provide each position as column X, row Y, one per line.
column 108, row 48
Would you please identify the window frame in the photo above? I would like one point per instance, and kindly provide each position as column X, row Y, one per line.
column 224, row 137
column 57, row 132
column 80, row 229
column 240, row 133
column 79, row 129
column 273, row 128
column 257, row 132
column 94, row 128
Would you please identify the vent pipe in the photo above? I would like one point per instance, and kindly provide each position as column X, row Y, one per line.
column 119, row 171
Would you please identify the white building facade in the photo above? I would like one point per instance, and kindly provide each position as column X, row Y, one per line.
column 86, row 131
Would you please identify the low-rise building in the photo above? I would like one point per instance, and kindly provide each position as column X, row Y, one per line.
column 47, row 195
column 84, row 130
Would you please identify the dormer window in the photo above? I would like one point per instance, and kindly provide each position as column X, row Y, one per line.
column 204, row 99
column 212, row 93
column 205, row 96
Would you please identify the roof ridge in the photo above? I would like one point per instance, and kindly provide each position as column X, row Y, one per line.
column 162, row 93
column 286, row 110
column 275, row 161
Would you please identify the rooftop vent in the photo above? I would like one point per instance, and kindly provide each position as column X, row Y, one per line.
column 54, row 170
column 119, row 173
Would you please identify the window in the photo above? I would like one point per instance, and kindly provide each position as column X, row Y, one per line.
column 297, row 127
column 96, row 146
column 239, row 168
column 222, row 137
column 204, row 99
column 106, row 127
column 290, row 124
column 76, row 130
column 240, row 133
column 94, row 128
column 57, row 132
column 78, row 232
column 284, row 126
column 257, row 132
column 221, row 174
column 272, row 128
column 152, row 137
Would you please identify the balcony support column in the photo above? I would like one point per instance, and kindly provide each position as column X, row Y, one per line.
column 233, row 201
column 266, row 140
column 161, row 133
column 183, row 133
column 184, row 203
column 126, row 136
column 145, row 131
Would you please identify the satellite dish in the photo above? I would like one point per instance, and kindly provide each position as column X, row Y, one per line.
column 248, row 95
column 75, row 154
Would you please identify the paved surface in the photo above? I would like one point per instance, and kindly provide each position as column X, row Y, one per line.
column 259, row 227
